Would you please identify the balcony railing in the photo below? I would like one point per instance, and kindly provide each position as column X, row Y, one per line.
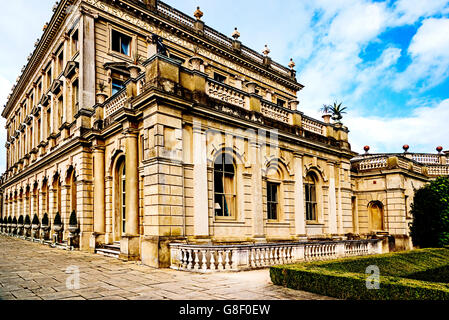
column 427, row 158
column 115, row 103
column 373, row 163
column 226, row 93
column 197, row 258
column 312, row 125
column 276, row 112
column 438, row 170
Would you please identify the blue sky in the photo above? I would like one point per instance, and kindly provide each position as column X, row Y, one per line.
column 387, row 61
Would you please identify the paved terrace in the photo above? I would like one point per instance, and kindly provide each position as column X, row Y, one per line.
column 31, row 271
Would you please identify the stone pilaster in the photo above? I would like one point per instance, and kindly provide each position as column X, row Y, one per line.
column 99, row 195
column 332, row 224
column 300, row 217
column 200, row 197
column 257, row 193
column 65, row 208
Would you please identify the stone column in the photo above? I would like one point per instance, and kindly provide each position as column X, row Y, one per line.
column 132, row 183
column 130, row 244
column 52, row 208
column 42, row 204
column 87, row 55
column 98, row 235
column 300, row 216
column 257, row 197
column 200, row 190
column 332, row 200
column 340, row 206
column 65, row 208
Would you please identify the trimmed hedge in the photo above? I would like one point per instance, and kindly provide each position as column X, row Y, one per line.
column 402, row 276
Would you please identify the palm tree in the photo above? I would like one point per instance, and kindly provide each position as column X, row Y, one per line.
column 325, row 109
column 337, row 111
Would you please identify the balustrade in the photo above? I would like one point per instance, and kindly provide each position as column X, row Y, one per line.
column 204, row 259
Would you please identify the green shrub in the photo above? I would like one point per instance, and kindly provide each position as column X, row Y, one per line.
column 20, row 221
column 14, row 221
column 45, row 219
column 35, row 219
column 9, row 219
column 430, row 210
column 57, row 221
column 353, row 285
column 415, row 275
column 27, row 220
column 73, row 220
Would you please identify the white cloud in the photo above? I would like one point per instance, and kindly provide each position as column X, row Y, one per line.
column 423, row 129
column 429, row 51
column 409, row 11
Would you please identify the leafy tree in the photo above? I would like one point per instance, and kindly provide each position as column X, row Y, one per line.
column 20, row 221
column 430, row 210
column 27, row 220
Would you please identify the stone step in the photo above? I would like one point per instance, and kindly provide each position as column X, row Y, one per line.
column 108, row 252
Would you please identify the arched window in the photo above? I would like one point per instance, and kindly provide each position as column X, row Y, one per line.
column 311, row 197
column 224, row 186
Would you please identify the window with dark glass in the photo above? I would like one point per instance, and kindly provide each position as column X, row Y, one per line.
column 220, row 78
column 120, row 42
column 281, row 103
column 117, row 85
column 272, row 200
column 311, row 203
column 224, row 183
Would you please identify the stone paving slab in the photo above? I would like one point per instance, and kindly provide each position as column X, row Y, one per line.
column 31, row 271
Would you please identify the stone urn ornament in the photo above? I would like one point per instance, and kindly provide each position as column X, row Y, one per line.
column 9, row 225
column 57, row 229
column 14, row 226
column 27, row 226
column 134, row 68
column 45, row 228
column 73, row 239
column 35, row 226
column 101, row 94
column 20, row 226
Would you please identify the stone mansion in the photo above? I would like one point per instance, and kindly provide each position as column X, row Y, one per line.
column 165, row 141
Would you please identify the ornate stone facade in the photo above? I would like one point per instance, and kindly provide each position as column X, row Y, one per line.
column 156, row 129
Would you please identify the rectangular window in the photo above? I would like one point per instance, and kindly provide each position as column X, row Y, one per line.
column 49, row 78
column 60, row 111
column 117, row 85
column 120, row 43
column 60, row 62
column 311, row 204
column 281, row 103
column 219, row 78
column 75, row 98
column 272, row 200
column 75, row 43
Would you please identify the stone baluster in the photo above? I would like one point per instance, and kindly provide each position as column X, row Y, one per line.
column 204, row 266
column 189, row 265
column 227, row 266
column 234, row 259
column 220, row 260
column 212, row 261
column 197, row 260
